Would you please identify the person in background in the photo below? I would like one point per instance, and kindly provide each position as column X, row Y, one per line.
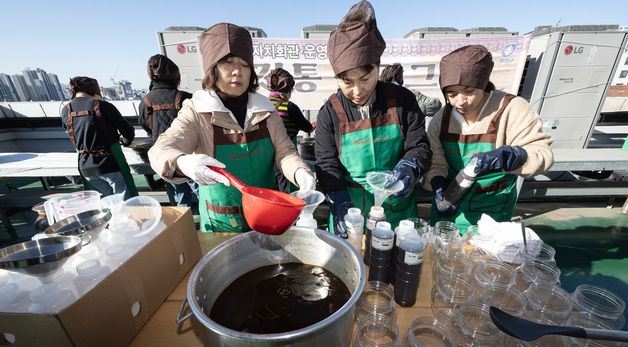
column 500, row 130
column 96, row 128
column 227, row 125
column 367, row 126
column 160, row 107
column 394, row 74
column 281, row 83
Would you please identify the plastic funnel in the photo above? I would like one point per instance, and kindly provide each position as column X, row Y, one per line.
column 312, row 199
column 266, row 211
column 377, row 181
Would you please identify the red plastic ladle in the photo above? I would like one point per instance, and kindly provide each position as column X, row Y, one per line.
column 266, row 211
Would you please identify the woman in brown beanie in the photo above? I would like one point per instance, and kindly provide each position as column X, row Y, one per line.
column 499, row 130
column 96, row 128
column 281, row 83
column 367, row 126
column 160, row 107
column 229, row 125
column 394, row 74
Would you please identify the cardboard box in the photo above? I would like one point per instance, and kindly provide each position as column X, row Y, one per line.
column 114, row 311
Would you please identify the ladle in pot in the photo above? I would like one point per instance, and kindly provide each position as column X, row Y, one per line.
column 266, row 211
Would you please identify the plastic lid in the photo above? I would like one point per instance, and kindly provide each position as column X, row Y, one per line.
column 115, row 251
column 8, row 292
column 42, row 292
column 88, row 268
column 354, row 211
column 377, row 212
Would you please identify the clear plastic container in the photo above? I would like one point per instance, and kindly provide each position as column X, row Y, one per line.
column 376, row 331
column 450, row 265
column 583, row 320
column 491, row 273
column 9, row 297
column 90, row 273
column 377, row 298
column 535, row 272
column 536, row 251
column 443, row 232
column 599, row 303
column 449, row 293
column 472, row 326
column 505, row 298
column 116, row 255
column 548, row 302
column 429, row 331
column 49, row 298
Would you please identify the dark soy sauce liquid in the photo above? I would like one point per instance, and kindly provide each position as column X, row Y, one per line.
column 279, row 298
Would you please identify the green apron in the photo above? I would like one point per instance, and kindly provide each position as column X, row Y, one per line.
column 251, row 158
column 114, row 150
column 372, row 144
column 494, row 194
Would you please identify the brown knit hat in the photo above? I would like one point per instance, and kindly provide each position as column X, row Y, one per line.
column 469, row 66
column 222, row 39
column 280, row 80
column 356, row 41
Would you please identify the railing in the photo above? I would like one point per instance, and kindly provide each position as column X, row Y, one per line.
column 50, row 109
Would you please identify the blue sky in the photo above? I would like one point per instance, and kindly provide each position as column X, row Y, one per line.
column 81, row 38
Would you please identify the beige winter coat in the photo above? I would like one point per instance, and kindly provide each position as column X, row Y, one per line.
column 192, row 132
column 519, row 125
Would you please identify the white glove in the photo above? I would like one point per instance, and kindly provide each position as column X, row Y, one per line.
column 304, row 179
column 195, row 167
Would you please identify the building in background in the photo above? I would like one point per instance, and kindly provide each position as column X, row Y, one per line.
column 318, row 31
column 7, row 89
column 449, row 32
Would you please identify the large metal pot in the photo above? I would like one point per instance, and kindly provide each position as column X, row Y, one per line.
column 249, row 251
column 306, row 148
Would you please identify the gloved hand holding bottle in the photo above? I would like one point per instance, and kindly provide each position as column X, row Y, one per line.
column 439, row 186
column 340, row 204
column 504, row 158
column 305, row 180
column 407, row 171
column 195, row 167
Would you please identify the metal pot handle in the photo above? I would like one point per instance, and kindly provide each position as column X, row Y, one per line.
column 182, row 309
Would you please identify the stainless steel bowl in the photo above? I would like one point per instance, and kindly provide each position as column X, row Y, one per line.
column 39, row 256
column 91, row 222
column 249, row 251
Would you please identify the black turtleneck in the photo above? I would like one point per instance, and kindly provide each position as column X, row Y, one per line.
column 235, row 104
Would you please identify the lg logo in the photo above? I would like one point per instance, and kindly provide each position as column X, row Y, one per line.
column 182, row 49
column 575, row 50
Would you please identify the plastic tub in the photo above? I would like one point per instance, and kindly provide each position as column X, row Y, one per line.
column 377, row 298
column 429, row 331
column 548, row 302
column 600, row 303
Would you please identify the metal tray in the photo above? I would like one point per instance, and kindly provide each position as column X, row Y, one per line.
column 39, row 256
column 92, row 221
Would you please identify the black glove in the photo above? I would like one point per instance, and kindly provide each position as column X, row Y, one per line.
column 439, row 186
column 124, row 141
column 340, row 204
column 504, row 158
column 407, row 171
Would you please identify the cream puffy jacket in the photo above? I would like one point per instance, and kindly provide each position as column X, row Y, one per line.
column 519, row 125
column 192, row 132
